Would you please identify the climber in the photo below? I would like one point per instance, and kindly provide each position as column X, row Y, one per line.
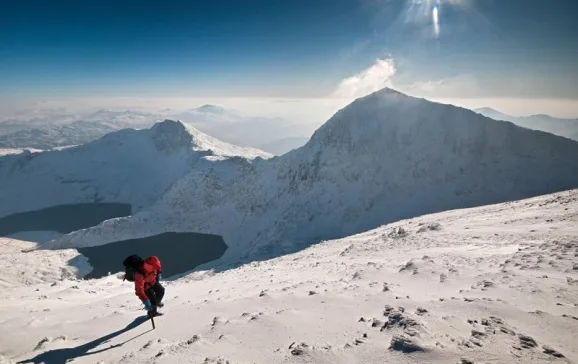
column 146, row 275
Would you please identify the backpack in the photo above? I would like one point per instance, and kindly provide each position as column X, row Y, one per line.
column 129, row 274
column 134, row 264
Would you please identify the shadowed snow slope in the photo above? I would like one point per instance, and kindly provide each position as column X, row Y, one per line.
column 385, row 157
column 129, row 166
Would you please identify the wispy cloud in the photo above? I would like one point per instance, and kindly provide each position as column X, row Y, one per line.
column 372, row 79
column 458, row 86
column 430, row 86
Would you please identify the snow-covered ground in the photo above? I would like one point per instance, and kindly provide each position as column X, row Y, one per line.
column 22, row 265
column 493, row 284
column 9, row 151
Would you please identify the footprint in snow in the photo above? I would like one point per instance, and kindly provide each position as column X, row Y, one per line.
column 410, row 265
column 421, row 311
column 356, row 276
column 549, row 350
column 429, row 227
column 42, row 343
column 527, row 342
column 404, row 344
column 298, row 349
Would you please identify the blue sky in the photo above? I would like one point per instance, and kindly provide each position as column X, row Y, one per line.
column 297, row 48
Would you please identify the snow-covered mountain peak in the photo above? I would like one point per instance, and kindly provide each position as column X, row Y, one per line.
column 377, row 121
column 171, row 135
column 482, row 110
column 494, row 114
column 213, row 109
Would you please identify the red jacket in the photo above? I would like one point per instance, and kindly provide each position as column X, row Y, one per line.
column 147, row 278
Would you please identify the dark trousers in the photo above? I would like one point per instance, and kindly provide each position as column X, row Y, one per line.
column 155, row 293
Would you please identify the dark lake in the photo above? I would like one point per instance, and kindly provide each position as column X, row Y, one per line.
column 63, row 218
column 178, row 252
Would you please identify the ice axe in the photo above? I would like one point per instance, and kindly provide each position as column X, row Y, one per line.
column 152, row 319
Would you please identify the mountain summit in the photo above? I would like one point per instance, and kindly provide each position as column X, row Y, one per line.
column 171, row 135
column 213, row 109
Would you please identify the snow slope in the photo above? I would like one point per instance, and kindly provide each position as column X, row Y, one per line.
column 493, row 284
column 129, row 166
column 24, row 266
column 563, row 127
column 8, row 151
column 385, row 157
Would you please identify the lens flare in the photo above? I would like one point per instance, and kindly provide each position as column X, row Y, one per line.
column 436, row 20
column 429, row 13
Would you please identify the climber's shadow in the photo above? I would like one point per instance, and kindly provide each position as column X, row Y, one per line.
column 61, row 356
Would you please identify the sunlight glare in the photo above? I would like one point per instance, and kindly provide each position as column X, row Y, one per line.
column 436, row 20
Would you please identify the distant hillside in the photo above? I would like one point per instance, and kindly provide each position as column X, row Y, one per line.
column 563, row 127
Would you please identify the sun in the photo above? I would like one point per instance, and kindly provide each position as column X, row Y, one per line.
column 429, row 12
column 436, row 20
